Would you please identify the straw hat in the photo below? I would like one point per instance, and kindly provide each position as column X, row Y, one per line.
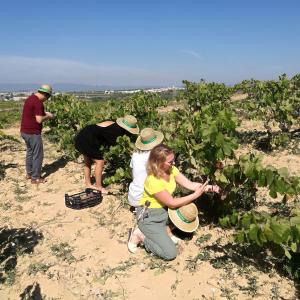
column 129, row 123
column 148, row 139
column 45, row 88
column 185, row 217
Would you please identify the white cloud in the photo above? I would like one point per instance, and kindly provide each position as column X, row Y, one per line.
column 17, row 69
column 194, row 54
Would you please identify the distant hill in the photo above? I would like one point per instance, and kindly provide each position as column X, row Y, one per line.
column 65, row 87
column 57, row 87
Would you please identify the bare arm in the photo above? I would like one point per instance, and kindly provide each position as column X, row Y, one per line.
column 166, row 199
column 41, row 119
column 186, row 183
column 209, row 188
column 192, row 186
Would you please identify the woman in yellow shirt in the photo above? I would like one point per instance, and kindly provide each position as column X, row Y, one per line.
column 158, row 189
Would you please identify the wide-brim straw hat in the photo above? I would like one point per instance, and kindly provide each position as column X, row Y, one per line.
column 45, row 88
column 129, row 123
column 185, row 217
column 148, row 139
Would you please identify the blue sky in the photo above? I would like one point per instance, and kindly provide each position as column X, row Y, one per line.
column 148, row 42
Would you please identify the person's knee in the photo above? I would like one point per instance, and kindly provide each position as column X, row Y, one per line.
column 171, row 253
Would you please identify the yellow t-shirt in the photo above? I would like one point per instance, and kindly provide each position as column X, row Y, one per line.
column 155, row 185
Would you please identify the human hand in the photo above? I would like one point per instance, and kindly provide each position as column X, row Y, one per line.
column 196, row 185
column 200, row 189
column 49, row 115
column 216, row 189
column 212, row 189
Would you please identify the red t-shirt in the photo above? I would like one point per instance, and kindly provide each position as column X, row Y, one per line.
column 33, row 106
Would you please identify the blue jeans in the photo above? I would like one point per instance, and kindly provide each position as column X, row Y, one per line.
column 34, row 154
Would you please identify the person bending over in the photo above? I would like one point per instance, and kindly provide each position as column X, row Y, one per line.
column 90, row 138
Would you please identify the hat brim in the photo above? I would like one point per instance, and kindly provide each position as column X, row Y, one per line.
column 157, row 141
column 185, row 227
column 41, row 90
column 135, row 130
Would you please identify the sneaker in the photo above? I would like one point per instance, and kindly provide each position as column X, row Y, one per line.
column 135, row 237
column 38, row 181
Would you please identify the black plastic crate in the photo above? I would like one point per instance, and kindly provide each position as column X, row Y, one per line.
column 88, row 198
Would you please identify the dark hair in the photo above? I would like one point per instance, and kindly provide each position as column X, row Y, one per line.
column 45, row 94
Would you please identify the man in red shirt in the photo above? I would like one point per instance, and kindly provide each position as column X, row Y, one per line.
column 31, row 128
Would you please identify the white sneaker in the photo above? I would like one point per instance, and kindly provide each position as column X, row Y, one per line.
column 136, row 235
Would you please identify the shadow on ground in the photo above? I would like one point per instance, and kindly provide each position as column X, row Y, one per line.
column 49, row 169
column 3, row 168
column 13, row 243
column 32, row 292
column 262, row 140
column 253, row 255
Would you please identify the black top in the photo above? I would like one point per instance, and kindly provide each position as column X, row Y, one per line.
column 90, row 138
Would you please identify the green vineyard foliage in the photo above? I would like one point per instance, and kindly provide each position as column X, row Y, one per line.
column 70, row 116
column 263, row 229
column 202, row 132
column 276, row 102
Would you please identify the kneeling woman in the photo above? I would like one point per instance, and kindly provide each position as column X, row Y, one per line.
column 158, row 189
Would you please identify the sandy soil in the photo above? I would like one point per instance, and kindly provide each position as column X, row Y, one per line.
column 83, row 254
column 238, row 97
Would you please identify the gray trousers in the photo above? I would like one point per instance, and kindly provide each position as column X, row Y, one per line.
column 34, row 154
column 154, row 227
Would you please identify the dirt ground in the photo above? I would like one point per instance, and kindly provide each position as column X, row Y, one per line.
column 82, row 254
